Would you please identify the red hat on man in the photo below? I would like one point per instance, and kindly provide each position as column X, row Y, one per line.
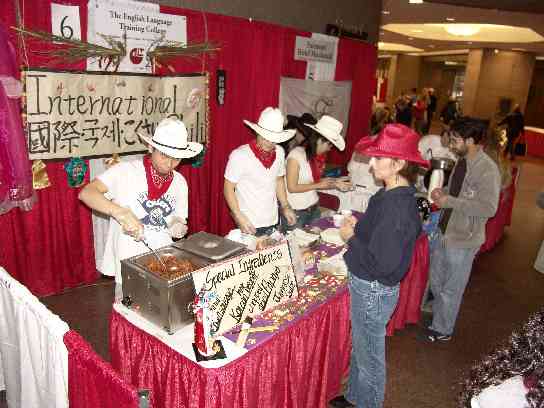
column 395, row 141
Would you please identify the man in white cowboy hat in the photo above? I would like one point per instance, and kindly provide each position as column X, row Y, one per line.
column 146, row 199
column 254, row 176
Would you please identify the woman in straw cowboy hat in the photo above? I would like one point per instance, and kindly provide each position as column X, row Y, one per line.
column 254, row 177
column 305, row 165
column 145, row 198
column 379, row 253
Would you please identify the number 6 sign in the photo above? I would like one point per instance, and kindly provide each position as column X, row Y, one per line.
column 65, row 21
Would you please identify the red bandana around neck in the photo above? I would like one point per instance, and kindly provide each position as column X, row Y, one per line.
column 266, row 158
column 157, row 185
column 317, row 164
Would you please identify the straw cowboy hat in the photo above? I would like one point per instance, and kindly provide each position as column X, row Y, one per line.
column 330, row 129
column 395, row 141
column 170, row 137
column 270, row 126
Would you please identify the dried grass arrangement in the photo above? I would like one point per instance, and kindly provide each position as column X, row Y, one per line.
column 70, row 50
column 162, row 53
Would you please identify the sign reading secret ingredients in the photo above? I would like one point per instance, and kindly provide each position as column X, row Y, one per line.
column 248, row 284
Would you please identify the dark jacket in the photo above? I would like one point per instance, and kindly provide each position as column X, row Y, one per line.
column 515, row 123
column 449, row 113
column 384, row 239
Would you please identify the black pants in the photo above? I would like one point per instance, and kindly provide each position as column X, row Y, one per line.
column 511, row 144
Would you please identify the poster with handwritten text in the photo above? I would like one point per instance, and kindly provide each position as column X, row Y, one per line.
column 70, row 114
column 248, row 285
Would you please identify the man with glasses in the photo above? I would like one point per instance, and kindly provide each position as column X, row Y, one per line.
column 471, row 198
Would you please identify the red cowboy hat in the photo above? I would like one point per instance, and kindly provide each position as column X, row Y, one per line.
column 396, row 141
column 363, row 143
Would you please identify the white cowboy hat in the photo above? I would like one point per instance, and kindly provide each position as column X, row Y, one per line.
column 330, row 129
column 170, row 137
column 270, row 126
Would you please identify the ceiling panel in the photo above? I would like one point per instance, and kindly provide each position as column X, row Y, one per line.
column 528, row 6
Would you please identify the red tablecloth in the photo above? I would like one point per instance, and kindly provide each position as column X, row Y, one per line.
column 494, row 228
column 92, row 382
column 412, row 287
column 535, row 141
column 299, row 366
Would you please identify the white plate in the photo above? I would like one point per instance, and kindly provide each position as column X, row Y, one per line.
column 332, row 236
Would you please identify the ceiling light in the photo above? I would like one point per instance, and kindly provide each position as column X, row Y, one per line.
column 386, row 46
column 519, row 49
column 450, row 19
column 416, row 1
column 386, row 12
column 462, row 30
column 496, row 51
column 540, row 57
column 452, row 63
column 490, row 33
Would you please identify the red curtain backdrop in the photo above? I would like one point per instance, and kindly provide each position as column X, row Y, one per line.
column 51, row 247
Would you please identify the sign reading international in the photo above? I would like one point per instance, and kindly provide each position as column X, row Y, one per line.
column 248, row 285
column 90, row 114
column 310, row 49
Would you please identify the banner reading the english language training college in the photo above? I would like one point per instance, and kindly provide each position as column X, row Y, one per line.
column 144, row 25
column 72, row 114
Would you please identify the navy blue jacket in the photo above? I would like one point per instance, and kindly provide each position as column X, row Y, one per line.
column 384, row 239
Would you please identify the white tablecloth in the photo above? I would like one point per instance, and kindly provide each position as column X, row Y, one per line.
column 182, row 340
column 33, row 357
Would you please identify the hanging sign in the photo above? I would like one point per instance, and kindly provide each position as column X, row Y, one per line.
column 248, row 285
column 221, row 86
column 65, row 21
column 143, row 25
column 309, row 49
column 72, row 114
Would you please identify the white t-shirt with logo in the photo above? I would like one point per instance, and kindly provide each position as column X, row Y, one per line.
column 255, row 184
column 127, row 186
column 301, row 201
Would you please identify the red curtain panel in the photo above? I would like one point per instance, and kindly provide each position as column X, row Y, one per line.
column 51, row 247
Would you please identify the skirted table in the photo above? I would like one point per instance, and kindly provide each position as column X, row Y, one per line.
column 301, row 364
column 534, row 137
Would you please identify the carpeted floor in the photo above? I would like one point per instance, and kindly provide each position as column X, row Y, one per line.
column 503, row 291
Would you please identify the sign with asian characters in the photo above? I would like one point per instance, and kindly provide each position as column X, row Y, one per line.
column 72, row 114
column 248, row 285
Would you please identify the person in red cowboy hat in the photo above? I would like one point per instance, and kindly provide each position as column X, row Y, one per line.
column 379, row 253
column 144, row 198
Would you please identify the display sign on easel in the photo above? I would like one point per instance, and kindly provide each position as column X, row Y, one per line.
column 248, row 285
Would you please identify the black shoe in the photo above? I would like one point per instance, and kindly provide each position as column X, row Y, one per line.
column 340, row 402
column 431, row 336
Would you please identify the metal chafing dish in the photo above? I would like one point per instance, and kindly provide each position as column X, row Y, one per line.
column 166, row 302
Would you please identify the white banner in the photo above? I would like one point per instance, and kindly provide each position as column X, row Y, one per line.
column 90, row 114
column 248, row 285
column 323, row 71
column 65, row 21
column 143, row 24
column 319, row 98
column 309, row 49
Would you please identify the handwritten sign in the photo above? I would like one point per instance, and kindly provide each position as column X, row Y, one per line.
column 248, row 285
column 89, row 114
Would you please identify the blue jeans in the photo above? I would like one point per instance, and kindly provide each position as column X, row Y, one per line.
column 304, row 217
column 372, row 304
column 449, row 273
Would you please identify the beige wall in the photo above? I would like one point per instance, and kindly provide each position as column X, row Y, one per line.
column 308, row 15
column 534, row 112
column 404, row 71
column 492, row 76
